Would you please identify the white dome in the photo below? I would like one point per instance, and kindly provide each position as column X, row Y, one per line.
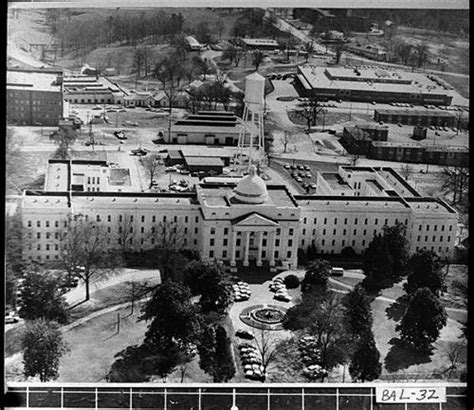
column 251, row 189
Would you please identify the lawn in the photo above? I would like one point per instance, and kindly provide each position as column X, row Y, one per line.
column 331, row 118
column 94, row 344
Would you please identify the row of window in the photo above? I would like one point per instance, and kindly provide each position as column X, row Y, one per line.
column 237, row 254
column 239, row 243
column 346, row 220
column 291, row 231
column 434, row 238
column 121, row 218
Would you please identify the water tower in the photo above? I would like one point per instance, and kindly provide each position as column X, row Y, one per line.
column 251, row 139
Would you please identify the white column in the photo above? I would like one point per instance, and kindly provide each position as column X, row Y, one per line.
column 259, row 250
column 246, row 252
column 232, row 248
column 272, row 248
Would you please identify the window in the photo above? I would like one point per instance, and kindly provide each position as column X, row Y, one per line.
column 237, row 242
column 48, row 235
column 175, row 219
column 325, row 221
column 226, row 231
column 353, row 242
column 322, row 242
column 335, row 221
column 109, row 218
column 442, row 228
column 441, row 238
column 355, row 221
column 419, row 228
column 143, row 218
column 38, row 247
column 88, row 180
column 211, row 254
column 196, row 230
column 224, row 242
column 304, row 221
column 450, row 228
column 277, row 254
column 290, row 243
column 290, row 232
column 304, row 232
column 418, row 238
column 345, row 221
column 38, row 235
column 197, row 219
column 56, row 247
column 224, row 254
column 38, row 224
column 185, row 231
column 314, row 232
column 344, row 231
column 355, row 231
column 376, row 221
column 47, row 246
column 449, row 239
column 315, row 220
column 277, row 242
column 164, row 218
column 334, row 232
column 56, row 235
column 47, row 224
column 142, row 230
column 29, row 224
column 343, row 242
column 324, row 231
column 213, row 231
column 120, row 218
column 366, row 221
column 131, row 218
column 278, row 231
column 427, row 228
column 98, row 218
column 153, row 219
column 288, row 254
column 426, row 238
column 186, row 219
column 386, row 221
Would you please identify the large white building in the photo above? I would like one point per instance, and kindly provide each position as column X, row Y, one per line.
column 243, row 221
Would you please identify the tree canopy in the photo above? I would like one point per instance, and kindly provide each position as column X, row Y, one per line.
column 378, row 265
column 316, row 276
column 41, row 298
column 365, row 362
column 43, row 346
column 423, row 320
column 358, row 311
column 172, row 316
column 425, row 271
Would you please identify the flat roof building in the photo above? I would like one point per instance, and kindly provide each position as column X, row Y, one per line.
column 379, row 85
column 84, row 89
column 259, row 43
column 34, row 97
column 244, row 221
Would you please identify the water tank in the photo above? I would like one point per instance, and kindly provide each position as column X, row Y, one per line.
column 254, row 89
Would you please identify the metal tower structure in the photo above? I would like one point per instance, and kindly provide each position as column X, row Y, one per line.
column 251, row 149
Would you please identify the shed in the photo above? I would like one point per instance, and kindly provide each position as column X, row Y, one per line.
column 204, row 164
column 174, row 157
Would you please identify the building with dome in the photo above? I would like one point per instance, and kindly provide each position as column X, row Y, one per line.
column 244, row 221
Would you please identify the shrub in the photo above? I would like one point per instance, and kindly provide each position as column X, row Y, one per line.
column 292, row 281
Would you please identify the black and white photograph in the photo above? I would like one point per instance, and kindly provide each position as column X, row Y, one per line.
column 236, row 205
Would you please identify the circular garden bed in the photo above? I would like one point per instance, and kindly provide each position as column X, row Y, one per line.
column 268, row 317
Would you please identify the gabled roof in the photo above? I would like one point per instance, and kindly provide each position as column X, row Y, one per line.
column 254, row 219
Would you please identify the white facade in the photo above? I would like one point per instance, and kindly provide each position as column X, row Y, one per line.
column 248, row 223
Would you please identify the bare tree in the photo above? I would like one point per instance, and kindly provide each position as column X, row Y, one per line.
column 257, row 59
column 286, row 138
column 406, row 170
column 152, row 165
column 309, row 110
column 170, row 71
column 267, row 346
column 64, row 138
column 126, row 233
column 85, row 250
column 455, row 181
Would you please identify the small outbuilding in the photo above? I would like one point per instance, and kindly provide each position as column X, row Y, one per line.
column 195, row 164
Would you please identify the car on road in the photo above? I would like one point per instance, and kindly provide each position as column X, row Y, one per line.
column 445, row 129
column 11, row 317
column 283, row 296
column 184, row 171
column 455, row 129
column 373, row 103
column 286, row 166
column 337, row 271
column 244, row 334
column 400, row 125
column 171, row 169
column 431, row 127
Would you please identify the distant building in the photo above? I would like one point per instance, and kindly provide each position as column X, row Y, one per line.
column 244, row 222
column 84, row 89
column 259, row 43
column 371, row 51
column 34, row 97
column 210, row 128
column 423, row 117
column 332, row 36
column 417, row 153
column 193, row 44
column 358, row 139
column 140, row 99
column 379, row 85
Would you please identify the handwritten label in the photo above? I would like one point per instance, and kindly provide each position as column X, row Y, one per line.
column 428, row 394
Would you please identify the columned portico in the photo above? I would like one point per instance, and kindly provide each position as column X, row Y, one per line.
column 259, row 248
column 246, row 247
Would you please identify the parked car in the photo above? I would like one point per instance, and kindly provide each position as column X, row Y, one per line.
column 11, row 317
column 400, row 125
column 286, row 166
column 244, row 334
column 170, row 169
column 337, row 271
